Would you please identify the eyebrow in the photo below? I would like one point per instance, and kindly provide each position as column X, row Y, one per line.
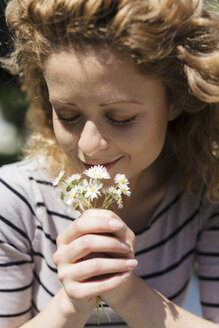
column 113, row 102
column 54, row 102
column 128, row 101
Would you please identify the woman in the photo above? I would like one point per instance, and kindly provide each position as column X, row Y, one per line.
column 132, row 86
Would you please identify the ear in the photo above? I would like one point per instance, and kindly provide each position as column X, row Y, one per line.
column 173, row 112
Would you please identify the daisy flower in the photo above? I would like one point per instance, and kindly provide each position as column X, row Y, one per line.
column 74, row 179
column 59, row 178
column 97, row 172
column 112, row 191
column 117, row 196
column 121, row 180
column 119, row 202
column 125, row 190
column 72, row 196
column 93, row 190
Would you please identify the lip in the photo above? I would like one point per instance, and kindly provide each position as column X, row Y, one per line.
column 107, row 165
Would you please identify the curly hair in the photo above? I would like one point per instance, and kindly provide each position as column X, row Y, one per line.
column 175, row 41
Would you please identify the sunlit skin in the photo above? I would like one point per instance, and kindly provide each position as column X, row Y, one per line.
column 105, row 112
column 90, row 91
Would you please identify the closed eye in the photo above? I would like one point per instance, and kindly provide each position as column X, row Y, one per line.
column 73, row 119
column 122, row 123
column 76, row 118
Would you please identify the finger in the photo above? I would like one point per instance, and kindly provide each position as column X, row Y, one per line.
column 120, row 230
column 100, row 266
column 90, row 243
column 82, row 290
column 91, row 221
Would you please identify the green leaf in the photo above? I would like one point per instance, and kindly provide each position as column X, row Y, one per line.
column 68, row 188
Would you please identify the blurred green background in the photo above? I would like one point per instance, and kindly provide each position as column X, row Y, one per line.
column 12, row 104
column 12, row 112
column 12, row 101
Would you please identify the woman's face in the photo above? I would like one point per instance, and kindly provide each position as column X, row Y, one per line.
column 105, row 112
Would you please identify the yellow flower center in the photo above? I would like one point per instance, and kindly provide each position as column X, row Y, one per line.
column 122, row 181
column 93, row 189
column 71, row 195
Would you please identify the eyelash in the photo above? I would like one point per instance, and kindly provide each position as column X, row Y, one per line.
column 113, row 122
column 73, row 120
column 123, row 123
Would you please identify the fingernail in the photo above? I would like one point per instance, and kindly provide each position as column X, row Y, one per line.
column 115, row 224
column 131, row 263
column 125, row 275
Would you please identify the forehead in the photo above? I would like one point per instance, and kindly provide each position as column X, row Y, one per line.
column 97, row 60
column 94, row 71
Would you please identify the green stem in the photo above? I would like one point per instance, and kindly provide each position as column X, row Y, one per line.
column 104, row 310
column 110, row 201
column 99, row 303
column 98, row 310
column 86, row 202
column 105, row 200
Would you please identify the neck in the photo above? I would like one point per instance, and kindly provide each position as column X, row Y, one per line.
column 155, row 176
column 148, row 189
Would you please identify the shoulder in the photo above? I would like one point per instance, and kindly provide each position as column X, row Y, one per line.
column 181, row 204
column 27, row 193
column 21, row 172
column 14, row 182
column 203, row 209
column 19, row 193
column 19, row 178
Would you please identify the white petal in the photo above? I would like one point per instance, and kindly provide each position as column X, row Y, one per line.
column 58, row 179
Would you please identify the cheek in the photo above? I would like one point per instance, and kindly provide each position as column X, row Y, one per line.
column 66, row 139
column 149, row 139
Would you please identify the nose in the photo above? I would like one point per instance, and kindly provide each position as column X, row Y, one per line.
column 91, row 140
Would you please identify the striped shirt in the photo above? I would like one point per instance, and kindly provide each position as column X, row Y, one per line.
column 182, row 234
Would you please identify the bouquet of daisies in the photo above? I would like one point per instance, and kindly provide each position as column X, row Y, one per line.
column 81, row 194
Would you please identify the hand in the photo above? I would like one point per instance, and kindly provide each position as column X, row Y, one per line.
column 92, row 256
